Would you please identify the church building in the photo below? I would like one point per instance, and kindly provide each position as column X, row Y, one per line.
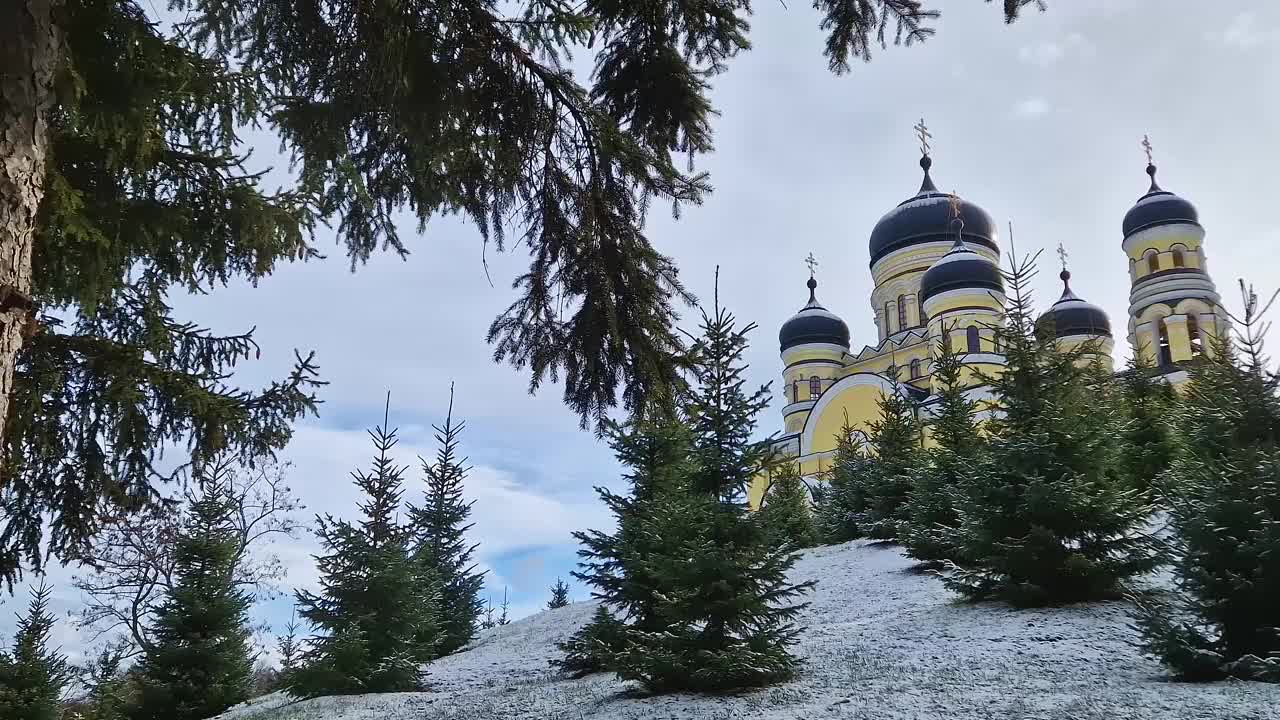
column 935, row 263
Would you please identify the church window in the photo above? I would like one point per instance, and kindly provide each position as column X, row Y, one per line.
column 888, row 313
column 971, row 339
column 1153, row 262
column 1177, row 258
column 902, row 311
column 915, row 369
column 1166, row 355
column 815, row 386
column 1193, row 335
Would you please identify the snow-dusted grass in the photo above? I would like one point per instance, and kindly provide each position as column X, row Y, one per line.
column 882, row 641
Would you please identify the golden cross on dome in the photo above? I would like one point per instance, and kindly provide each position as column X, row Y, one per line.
column 1146, row 145
column 954, row 202
column 812, row 262
column 922, row 132
column 1062, row 256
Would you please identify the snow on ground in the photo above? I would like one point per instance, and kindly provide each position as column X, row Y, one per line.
column 883, row 641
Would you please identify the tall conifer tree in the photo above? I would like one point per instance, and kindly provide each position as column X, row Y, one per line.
column 378, row 607
column 199, row 662
column 724, row 596
column 1223, row 493
column 655, row 452
column 440, row 525
column 931, row 519
column 34, row 674
column 1048, row 515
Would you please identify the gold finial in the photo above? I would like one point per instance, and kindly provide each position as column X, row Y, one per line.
column 812, row 262
column 1062, row 256
column 1146, row 146
column 922, row 132
column 954, row 202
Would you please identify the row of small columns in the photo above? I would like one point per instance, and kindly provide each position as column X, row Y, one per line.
column 1178, row 337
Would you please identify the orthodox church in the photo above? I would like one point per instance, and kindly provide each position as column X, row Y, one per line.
column 935, row 263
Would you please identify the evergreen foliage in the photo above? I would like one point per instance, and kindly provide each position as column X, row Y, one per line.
column 1148, row 403
column 559, row 595
column 888, row 480
column 488, row 622
column 440, row 526
column 841, row 501
column 109, row 696
column 1223, row 494
column 378, row 606
column 702, row 590
column 503, row 618
column 655, row 453
column 723, row 596
column 33, row 674
column 199, row 662
column 290, row 651
column 1047, row 516
column 931, row 520
column 787, row 514
column 595, row 647
column 146, row 192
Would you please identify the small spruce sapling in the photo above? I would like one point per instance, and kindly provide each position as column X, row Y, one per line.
column 33, row 674
column 440, row 525
column 377, row 609
column 559, row 595
column 200, row 661
column 787, row 514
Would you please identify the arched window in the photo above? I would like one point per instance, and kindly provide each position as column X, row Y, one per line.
column 1153, row 262
column 1178, row 260
column 1166, row 356
column 815, row 386
column 915, row 369
column 1193, row 335
column 902, row 311
column 971, row 339
column 888, row 314
column 795, row 391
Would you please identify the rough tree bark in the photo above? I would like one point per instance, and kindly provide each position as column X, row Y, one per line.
column 29, row 46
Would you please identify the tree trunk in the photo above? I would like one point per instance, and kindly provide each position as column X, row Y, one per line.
column 29, row 46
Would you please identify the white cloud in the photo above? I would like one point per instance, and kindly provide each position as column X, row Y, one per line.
column 1032, row 107
column 1242, row 33
column 1050, row 52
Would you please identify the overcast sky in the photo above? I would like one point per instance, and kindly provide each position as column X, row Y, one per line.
column 1039, row 122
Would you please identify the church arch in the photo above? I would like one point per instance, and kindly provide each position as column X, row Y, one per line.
column 815, row 387
column 858, row 395
column 972, row 340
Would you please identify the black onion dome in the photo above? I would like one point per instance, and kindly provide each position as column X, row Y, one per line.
column 960, row 269
column 813, row 324
column 926, row 217
column 1159, row 207
column 1073, row 316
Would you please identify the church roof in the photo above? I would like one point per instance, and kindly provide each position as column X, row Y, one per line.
column 1158, row 207
column 926, row 217
column 960, row 269
column 1072, row 316
column 813, row 324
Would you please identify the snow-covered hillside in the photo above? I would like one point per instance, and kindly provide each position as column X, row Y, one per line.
column 882, row 641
